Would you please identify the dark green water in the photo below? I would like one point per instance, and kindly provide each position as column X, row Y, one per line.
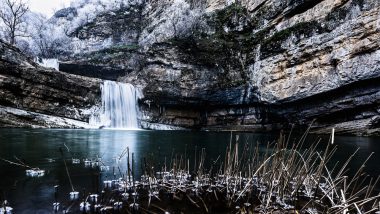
column 40, row 148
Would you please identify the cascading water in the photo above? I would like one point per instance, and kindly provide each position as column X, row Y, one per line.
column 48, row 63
column 119, row 106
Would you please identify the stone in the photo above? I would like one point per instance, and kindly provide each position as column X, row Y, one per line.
column 33, row 96
column 258, row 65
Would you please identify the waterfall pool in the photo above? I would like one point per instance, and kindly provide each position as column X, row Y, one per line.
column 41, row 148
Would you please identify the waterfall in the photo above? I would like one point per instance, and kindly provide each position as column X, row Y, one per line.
column 49, row 63
column 119, row 106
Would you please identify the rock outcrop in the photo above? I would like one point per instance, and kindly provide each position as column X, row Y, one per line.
column 267, row 64
column 241, row 65
column 33, row 96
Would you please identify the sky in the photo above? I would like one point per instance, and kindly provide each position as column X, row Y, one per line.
column 47, row 7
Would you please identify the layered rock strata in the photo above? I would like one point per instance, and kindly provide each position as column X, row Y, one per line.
column 33, row 96
column 243, row 65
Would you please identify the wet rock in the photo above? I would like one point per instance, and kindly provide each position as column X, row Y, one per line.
column 258, row 65
column 33, row 96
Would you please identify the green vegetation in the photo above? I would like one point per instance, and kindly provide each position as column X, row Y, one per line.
column 224, row 50
column 86, row 27
column 233, row 44
column 235, row 83
column 228, row 15
column 272, row 45
column 119, row 48
column 108, row 54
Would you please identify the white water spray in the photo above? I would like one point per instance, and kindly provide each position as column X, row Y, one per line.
column 49, row 63
column 119, row 106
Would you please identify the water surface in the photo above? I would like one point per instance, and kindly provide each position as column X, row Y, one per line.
column 41, row 148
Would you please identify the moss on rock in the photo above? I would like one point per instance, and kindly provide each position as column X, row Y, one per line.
column 273, row 44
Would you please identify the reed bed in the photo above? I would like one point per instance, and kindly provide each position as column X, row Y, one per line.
column 283, row 178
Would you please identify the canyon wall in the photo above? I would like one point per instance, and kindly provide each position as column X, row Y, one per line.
column 241, row 65
column 260, row 65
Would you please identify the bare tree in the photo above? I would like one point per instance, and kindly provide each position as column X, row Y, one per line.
column 12, row 15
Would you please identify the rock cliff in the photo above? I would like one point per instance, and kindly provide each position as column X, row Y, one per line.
column 33, row 96
column 259, row 65
column 243, row 65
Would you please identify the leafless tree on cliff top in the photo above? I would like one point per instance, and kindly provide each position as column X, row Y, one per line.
column 11, row 13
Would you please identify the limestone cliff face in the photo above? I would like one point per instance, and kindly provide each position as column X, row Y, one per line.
column 249, row 64
column 107, row 47
column 32, row 96
column 329, row 53
column 271, row 62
